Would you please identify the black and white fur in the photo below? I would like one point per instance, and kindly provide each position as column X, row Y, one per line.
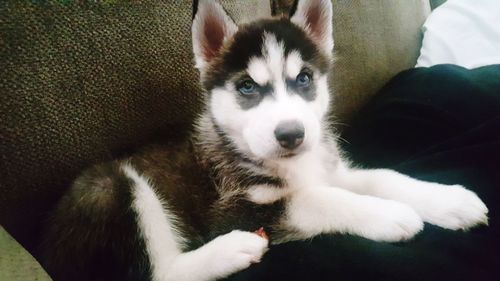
column 187, row 211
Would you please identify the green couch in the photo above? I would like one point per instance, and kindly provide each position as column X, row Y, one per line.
column 83, row 82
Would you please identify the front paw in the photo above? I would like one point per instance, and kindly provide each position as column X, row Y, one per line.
column 453, row 207
column 236, row 251
column 390, row 221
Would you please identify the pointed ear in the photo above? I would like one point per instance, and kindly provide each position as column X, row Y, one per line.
column 315, row 17
column 211, row 28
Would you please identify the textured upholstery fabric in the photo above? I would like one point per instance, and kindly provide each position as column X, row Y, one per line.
column 374, row 40
column 81, row 83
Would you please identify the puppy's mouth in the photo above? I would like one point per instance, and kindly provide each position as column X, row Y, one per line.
column 288, row 154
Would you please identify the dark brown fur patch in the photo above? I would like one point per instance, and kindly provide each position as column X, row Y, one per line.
column 93, row 235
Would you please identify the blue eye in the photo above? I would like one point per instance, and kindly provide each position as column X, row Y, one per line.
column 303, row 79
column 247, row 87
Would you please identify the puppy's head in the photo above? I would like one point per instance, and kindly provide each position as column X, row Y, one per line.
column 267, row 80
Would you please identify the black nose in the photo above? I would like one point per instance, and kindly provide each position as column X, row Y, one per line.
column 290, row 134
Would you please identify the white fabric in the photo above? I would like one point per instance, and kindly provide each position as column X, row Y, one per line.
column 462, row 32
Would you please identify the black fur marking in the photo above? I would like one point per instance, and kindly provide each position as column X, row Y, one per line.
column 195, row 9
column 247, row 43
column 249, row 101
column 306, row 92
column 262, row 179
column 293, row 9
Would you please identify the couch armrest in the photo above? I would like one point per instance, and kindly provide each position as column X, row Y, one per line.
column 374, row 40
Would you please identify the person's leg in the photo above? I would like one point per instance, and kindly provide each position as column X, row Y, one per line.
column 419, row 109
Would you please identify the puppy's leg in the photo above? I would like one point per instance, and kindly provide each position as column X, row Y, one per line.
column 219, row 258
column 334, row 210
column 448, row 206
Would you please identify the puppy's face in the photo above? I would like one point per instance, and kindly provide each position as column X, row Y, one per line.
column 267, row 81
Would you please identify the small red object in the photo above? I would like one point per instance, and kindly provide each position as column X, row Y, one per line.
column 262, row 233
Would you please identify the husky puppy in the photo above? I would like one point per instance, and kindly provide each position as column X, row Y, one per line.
column 262, row 155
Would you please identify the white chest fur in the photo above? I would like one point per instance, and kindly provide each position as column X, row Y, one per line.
column 301, row 172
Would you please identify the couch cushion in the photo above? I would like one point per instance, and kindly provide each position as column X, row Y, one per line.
column 374, row 40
